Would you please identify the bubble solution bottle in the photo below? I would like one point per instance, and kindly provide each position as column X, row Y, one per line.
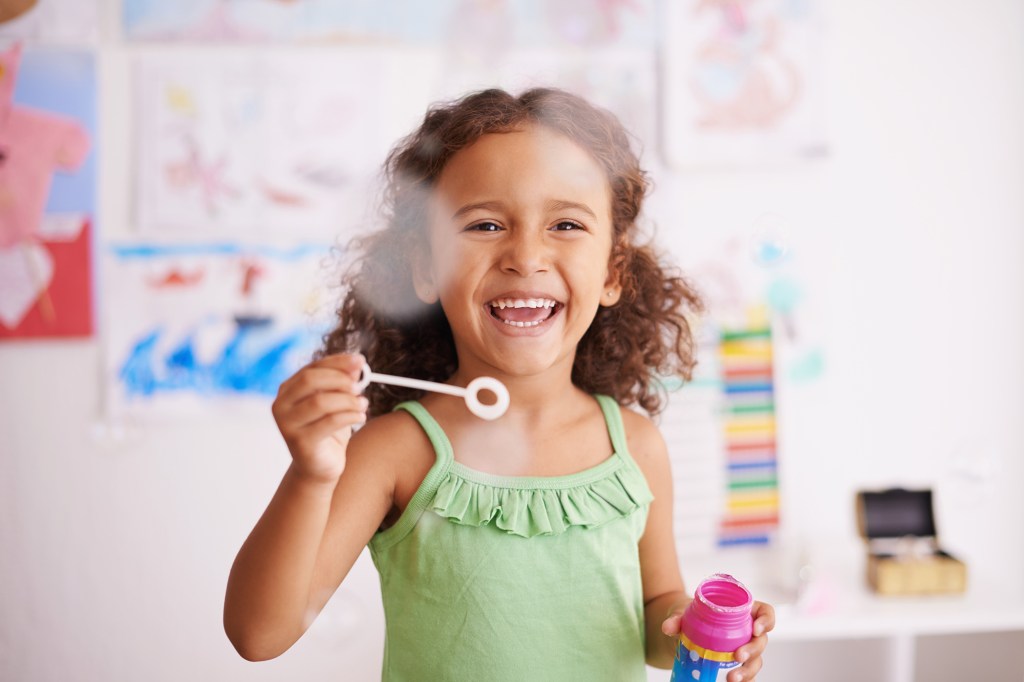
column 714, row 625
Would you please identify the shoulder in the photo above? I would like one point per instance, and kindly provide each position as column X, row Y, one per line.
column 396, row 447
column 389, row 436
column 646, row 445
column 643, row 437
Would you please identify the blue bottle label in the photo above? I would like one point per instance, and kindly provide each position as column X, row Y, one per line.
column 701, row 665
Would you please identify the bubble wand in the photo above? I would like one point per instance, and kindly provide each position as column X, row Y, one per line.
column 471, row 393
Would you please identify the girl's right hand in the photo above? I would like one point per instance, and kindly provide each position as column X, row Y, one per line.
column 315, row 411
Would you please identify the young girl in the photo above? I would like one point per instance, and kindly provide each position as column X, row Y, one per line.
column 535, row 547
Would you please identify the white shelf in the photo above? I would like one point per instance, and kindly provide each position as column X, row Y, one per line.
column 886, row 617
column 837, row 603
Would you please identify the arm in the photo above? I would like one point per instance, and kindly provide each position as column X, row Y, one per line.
column 664, row 592
column 282, row 575
column 665, row 598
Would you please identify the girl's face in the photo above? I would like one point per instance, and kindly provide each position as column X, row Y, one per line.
column 520, row 242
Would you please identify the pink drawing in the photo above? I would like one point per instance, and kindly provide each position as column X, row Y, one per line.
column 742, row 79
column 590, row 22
column 207, row 176
column 33, row 145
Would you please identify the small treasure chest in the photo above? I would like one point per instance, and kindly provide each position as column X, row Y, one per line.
column 904, row 557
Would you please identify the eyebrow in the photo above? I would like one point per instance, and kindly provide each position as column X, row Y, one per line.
column 558, row 205
column 481, row 206
column 553, row 205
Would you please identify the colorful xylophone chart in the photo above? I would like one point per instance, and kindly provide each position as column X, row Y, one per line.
column 751, row 513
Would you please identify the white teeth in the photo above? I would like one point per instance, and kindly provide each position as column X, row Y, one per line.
column 523, row 303
column 522, row 324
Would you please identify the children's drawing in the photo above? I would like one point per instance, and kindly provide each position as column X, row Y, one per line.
column 47, row 110
column 529, row 22
column 66, row 21
column 742, row 82
column 195, row 324
column 285, row 144
column 758, row 334
column 620, row 80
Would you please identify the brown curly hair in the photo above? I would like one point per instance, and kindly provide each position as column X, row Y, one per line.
column 628, row 345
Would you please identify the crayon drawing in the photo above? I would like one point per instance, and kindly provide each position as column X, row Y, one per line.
column 194, row 324
column 529, row 22
column 64, row 21
column 283, row 144
column 47, row 192
column 620, row 80
column 742, row 83
column 758, row 345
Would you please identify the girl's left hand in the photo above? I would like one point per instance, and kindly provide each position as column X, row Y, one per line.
column 750, row 653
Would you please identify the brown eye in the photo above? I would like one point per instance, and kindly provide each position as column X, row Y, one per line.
column 485, row 226
column 567, row 225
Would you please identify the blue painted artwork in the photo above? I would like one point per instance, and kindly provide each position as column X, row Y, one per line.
column 210, row 322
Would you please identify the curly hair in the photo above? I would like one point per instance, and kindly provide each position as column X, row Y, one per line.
column 628, row 345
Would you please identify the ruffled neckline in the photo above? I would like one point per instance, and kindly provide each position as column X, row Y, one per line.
column 532, row 506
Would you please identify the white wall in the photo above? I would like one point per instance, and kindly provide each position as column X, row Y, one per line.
column 116, row 547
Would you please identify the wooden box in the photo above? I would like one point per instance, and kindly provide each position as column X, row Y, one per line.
column 904, row 557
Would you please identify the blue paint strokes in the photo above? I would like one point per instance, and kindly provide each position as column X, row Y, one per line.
column 292, row 253
column 768, row 465
column 255, row 360
column 137, row 371
column 744, row 540
column 740, row 387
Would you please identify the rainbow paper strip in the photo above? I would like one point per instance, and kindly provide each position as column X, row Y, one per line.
column 751, row 514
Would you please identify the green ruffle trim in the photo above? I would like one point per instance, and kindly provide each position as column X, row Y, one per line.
column 542, row 511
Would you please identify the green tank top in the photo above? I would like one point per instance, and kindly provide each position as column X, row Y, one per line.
column 517, row 579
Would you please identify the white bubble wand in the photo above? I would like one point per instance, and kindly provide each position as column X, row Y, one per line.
column 471, row 393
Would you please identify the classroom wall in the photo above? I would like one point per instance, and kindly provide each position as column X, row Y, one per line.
column 117, row 537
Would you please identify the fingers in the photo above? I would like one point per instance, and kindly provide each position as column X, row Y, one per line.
column 672, row 625
column 746, row 672
column 331, row 424
column 752, row 650
column 764, row 618
column 322, row 403
column 333, row 373
column 750, row 654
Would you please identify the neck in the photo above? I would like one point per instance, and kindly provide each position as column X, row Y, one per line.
column 534, row 399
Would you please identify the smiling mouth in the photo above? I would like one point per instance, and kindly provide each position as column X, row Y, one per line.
column 524, row 312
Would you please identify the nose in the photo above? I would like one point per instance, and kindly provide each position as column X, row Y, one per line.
column 525, row 253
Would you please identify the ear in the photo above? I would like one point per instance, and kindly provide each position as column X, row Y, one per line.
column 423, row 280
column 612, row 294
column 613, row 282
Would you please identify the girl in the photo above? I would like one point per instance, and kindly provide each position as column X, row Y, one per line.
column 535, row 547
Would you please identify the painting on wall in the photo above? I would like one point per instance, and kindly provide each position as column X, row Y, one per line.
column 65, row 21
column 283, row 145
column 742, row 83
column 620, row 80
column 524, row 22
column 760, row 345
column 190, row 325
column 47, row 192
